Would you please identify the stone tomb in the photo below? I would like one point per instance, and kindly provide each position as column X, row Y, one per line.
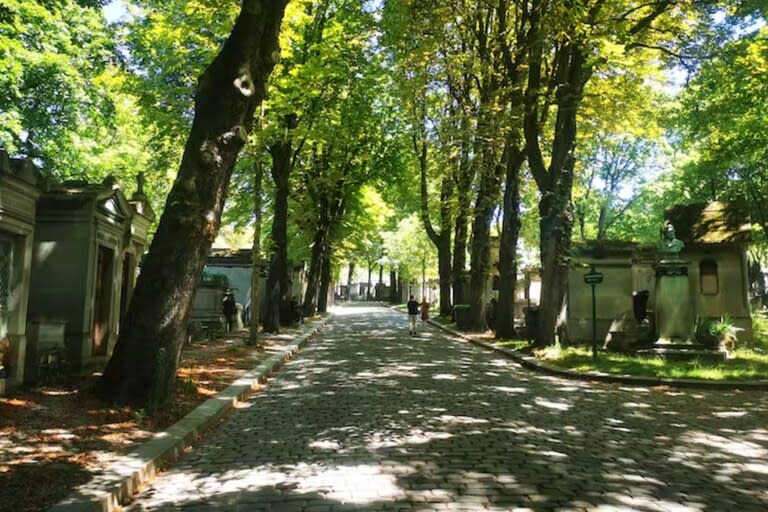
column 236, row 265
column 88, row 242
column 18, row 196
column 715, row 237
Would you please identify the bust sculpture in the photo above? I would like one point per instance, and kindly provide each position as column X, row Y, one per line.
column 669, row 246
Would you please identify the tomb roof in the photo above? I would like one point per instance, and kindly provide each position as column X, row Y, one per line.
column 710, row 223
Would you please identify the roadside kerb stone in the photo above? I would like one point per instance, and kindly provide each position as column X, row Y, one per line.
column 532, row 363
column 123, row 479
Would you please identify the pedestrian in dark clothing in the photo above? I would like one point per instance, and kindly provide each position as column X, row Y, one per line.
column 229, row 308
column 490, row 314
column 413, row 315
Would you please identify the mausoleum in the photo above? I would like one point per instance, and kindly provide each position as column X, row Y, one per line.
column 89, row 239
column 712, row 254
column 235, row 265
column 18, row 196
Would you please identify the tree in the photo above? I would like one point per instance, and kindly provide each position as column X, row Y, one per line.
column 566, row 46
column 414, row 253
column 414, row 35
column 167, row 47
column 451, row 61
column 63, row 103
column 142, row 370
column 292, row 114
column 255, row 318
column 724, row 125
column 615, row 173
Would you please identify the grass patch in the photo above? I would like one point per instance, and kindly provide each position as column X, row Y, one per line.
column 746, row 365
column 445, row 321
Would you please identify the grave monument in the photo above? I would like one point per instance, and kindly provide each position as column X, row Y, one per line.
column 674, row 305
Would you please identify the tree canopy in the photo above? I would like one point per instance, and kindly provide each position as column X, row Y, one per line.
column 408, row 135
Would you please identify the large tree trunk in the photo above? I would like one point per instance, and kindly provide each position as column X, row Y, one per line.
column 325, row 283
column 350, row 276
column 555, row 182
column 487, row 200
column 278, row 287
column 465, row 177
column 315, row 269
column 142, row 370
column 393, row 286
column 460, row 253
column 556, row 224
column 442, row 239
column 445, row 271
column 370, row 282
column 255, row 319
column 504, row 315
column 558, row 80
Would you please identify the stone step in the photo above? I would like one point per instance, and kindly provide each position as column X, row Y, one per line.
column 681, row 346
column 684, row 354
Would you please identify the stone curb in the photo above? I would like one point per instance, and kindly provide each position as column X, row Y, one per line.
column 531, row 363
column 125, row 477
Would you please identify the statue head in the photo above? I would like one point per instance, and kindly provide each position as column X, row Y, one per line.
column 669, row 245
column 669, row 231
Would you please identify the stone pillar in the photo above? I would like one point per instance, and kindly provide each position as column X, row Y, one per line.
column 674, row 306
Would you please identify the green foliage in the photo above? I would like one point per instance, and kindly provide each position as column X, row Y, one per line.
column 723, row 327
column 187, row 386
column 167, row 45
column 724, row 122
column 332, row 81
column 214, row 278
column 55, row 99
column 64, row 102
column 409, row 249
column 746, row 365
column 759, row 340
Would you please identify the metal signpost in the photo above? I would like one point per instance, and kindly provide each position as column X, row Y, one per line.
column 593, row 278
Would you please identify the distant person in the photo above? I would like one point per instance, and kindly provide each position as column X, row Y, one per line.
column 229, row 308
column 424, row 310
column 490, row 314
column 298, row 310
column 413, row 315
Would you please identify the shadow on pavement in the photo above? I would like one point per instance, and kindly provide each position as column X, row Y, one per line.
column 369, row 418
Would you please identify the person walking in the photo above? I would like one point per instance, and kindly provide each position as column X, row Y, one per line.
column 413, row 315
column 229, row 308
column 424, row 311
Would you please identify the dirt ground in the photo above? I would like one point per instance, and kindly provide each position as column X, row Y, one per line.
column 56, row 437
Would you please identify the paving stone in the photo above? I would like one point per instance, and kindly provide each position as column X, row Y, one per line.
column 368, row 418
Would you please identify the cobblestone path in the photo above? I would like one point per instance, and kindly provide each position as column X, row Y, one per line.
column 368, row 418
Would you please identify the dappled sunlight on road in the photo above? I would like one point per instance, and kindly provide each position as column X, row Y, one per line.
column 369, row 416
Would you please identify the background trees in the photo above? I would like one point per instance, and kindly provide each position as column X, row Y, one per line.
column 63, row 103
column 722, row 115
column 405, row 133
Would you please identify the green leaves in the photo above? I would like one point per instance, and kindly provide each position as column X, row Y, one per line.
column 724, row 120
column 50, row 59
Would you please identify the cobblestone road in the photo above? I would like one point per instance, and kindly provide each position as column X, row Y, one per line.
column 367, row 418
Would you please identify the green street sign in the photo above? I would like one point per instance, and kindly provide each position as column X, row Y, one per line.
column 593, row 277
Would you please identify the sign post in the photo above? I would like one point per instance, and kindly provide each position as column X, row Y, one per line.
column 593, row 278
